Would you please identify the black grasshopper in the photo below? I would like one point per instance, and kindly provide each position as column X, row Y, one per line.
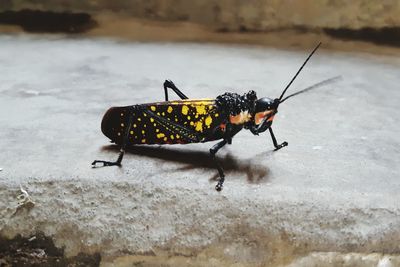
column 193, row 120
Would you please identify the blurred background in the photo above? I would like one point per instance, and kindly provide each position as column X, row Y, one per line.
column 339, row 24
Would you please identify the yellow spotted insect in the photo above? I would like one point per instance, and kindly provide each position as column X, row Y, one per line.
column 194, row 120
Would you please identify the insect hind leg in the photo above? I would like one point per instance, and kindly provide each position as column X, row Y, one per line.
column 110, row 163
column 123, row 146
column 171, row 85
column 213, row 151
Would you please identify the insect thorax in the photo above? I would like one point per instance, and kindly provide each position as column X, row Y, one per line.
column 234, row 104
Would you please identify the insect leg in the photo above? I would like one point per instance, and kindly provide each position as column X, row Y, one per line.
column 122, row 149
column 170, row 84
column 213, row 151
column 277, row 147
column 111, row 163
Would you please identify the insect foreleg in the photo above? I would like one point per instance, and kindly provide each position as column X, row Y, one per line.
column 276, row 145
column 170, row 84
column 213, row 151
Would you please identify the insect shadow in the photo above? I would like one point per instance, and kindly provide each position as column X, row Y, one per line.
column 199, row 159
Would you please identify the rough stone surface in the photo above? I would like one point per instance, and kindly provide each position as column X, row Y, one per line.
column 334, row 188
column 233, row 15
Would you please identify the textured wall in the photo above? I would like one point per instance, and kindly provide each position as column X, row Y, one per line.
column 252, row 15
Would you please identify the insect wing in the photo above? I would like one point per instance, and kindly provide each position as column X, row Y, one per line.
column 182, row 121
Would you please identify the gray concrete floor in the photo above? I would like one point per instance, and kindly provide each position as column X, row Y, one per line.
column 334, row 188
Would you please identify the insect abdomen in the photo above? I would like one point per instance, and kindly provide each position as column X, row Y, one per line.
column 113, row 123
column 175, row 122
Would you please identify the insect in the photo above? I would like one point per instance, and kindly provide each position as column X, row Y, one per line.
column 194, row 120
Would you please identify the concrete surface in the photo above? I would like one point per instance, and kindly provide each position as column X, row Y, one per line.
column 333, row 189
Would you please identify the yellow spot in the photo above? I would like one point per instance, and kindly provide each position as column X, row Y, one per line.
column 151, row 119
column 172, row 137
column 153, row 108
column 197, row 115
column 134, row 125
column 191, row 123
column 201, row 109
column 165, row 138
column 178, row 136
column 142, row 131
column 160, row 135
column 158, row 113
column 143, row 140
column 216, row 115
column 155, row 124
column 163, row 113
column 208, row 120
column 131, row 132
column 139, row 119
column 185, row 110
column 169, row 110
column 188, row 117
column 157, row 130
column 144, row 125
column 122, row 125
column 176, row 119
column 199, row 126
column 144, row 114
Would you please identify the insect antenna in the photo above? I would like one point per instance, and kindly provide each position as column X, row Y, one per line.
column 305, row 62
column 315, row 86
